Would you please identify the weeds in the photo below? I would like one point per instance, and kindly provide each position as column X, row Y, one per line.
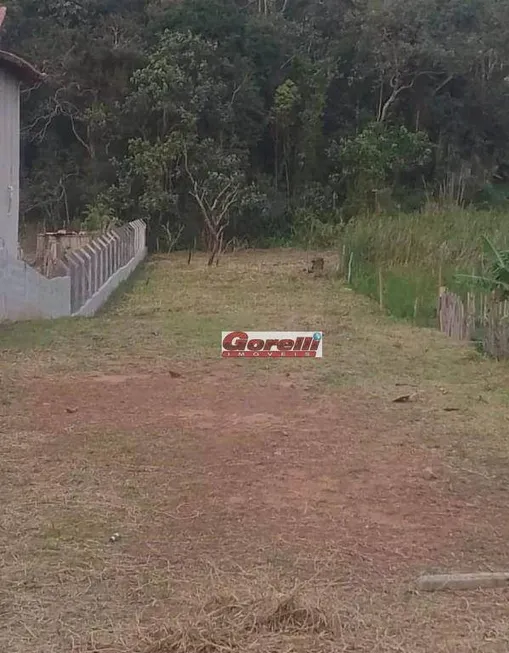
column 452, row 238
column 415, row 254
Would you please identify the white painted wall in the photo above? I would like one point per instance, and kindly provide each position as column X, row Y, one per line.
column 9, row 162
column 26, row 294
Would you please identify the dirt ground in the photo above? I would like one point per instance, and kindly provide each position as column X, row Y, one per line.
column 281, row 506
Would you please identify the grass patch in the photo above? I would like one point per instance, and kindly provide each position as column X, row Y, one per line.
column 126, row 287
column 408, row 292
column 248, row 518
column 426, row 240
column 172, row 310
column 417, row 253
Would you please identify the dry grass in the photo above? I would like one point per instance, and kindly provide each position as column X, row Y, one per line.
column 292, row 518
column 236, row 622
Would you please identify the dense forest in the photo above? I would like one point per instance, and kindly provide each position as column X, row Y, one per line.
column 221, row 119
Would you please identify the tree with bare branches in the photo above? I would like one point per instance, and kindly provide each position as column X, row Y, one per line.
column 217, row 185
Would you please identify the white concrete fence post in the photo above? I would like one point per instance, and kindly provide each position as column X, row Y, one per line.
column 116, row 254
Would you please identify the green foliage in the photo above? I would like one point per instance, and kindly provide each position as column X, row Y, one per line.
column 493, row 196
column 497, row 277
column 408, row 292
column 418, row 252
column 375, row 159
column 286, row 103
column 181, row 84
column 334, row 109
column 155, row 164
column 426, row 238
column 99, row 216
column 315, row 232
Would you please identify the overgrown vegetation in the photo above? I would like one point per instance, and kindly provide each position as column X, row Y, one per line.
column 496, row 279
column 412, row 255
column 221, row 119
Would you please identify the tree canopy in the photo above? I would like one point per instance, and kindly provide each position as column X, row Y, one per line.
column 226, row 118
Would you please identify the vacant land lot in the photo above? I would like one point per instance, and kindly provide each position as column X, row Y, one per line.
column 262, row 506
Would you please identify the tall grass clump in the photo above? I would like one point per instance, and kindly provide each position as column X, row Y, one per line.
column 315, row 230
column 413, row 254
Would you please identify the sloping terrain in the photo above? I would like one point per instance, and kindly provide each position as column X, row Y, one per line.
column 280, row 505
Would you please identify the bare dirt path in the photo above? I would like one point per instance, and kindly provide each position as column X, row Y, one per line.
column 231, row 483
column 272, row 459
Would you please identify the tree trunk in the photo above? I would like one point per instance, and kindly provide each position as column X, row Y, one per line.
column 206, row 239
column 276, row 162
column 216, row 245
column 215, row 251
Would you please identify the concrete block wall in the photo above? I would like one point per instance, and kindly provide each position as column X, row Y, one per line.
column 88, row 277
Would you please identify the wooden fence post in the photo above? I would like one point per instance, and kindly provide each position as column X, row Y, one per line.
column 441, row 306
column 350, row 263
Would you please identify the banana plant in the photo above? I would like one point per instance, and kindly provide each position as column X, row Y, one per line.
column 498, row 279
